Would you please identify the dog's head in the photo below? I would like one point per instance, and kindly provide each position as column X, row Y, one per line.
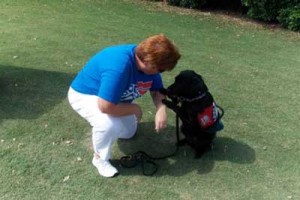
column 188, row 84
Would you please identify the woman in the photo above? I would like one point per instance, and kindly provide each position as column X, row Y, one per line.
column 103, row 92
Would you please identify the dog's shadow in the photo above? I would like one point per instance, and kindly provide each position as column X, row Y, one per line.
column 158, row 145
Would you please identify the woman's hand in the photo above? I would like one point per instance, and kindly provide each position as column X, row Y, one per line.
column 138, row 113
column 161, row 114
column 160, row 119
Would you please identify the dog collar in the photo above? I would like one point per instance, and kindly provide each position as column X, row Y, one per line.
column 193, row 99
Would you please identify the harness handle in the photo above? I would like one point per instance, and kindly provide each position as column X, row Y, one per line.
column 222, row 111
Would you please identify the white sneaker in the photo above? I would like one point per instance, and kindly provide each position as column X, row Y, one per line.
column 105, row 168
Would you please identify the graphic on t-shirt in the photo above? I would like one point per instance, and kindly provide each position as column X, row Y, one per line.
column 143, row 87
column 136, row 90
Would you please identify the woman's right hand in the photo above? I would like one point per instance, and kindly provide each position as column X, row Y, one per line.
column 138, row 113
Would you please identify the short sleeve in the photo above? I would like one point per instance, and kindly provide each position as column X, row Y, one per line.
column 113, row 84
column 157, row 83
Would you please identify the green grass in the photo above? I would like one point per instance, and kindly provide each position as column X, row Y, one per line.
column 252, row 71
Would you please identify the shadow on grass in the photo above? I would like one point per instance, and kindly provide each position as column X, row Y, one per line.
column 183, row 162
column 28, row 93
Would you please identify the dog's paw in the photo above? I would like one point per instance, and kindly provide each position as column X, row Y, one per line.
column 166, row 102
column 170, row 105
column 163, row 91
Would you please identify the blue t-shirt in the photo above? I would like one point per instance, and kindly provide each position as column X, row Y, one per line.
column 112, row 74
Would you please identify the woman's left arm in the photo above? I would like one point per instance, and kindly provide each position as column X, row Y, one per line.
column 161, row 114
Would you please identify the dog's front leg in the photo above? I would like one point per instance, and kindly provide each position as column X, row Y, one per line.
column 171, row 105
column 175, row 108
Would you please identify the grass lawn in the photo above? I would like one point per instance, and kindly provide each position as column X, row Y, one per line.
column 252, row 71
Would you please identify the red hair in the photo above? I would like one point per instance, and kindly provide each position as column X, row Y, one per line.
column 158, row 51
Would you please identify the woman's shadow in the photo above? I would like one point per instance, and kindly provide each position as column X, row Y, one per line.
column 164, row 144
column 27, row 93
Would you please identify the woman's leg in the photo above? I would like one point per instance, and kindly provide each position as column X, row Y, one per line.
column 105, row 128
column 109, row 130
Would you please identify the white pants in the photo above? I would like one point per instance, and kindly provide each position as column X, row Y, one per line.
column 106, row 129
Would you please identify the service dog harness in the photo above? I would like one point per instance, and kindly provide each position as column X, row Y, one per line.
column 209, row 118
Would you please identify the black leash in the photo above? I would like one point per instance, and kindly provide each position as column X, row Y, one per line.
column 147, row 162
column 149, row 167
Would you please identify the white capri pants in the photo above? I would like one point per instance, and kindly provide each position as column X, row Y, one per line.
column 106, row 129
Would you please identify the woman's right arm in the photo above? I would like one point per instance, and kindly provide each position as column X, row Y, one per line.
column 120, row 109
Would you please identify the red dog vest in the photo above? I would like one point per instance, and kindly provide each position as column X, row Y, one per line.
column 208, row 116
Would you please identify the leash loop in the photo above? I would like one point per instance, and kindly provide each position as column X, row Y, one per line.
column 147, row 162
column 148, row 166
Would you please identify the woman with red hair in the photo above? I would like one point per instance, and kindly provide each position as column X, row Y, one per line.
column 104, row 90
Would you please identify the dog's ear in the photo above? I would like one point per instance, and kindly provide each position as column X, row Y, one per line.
column 200, row 84
column 197, row 81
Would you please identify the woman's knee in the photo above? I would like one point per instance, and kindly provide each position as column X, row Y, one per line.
column 129, row 127
column 106, row 127
column 119, row 127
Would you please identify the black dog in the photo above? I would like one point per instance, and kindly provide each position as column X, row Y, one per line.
column 195, row 107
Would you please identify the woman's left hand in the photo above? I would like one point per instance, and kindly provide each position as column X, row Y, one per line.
column 160, row 119
column 161, row 114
